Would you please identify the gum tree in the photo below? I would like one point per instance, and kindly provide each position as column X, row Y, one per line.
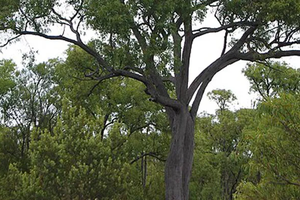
column 269, row 79
column 151, row 41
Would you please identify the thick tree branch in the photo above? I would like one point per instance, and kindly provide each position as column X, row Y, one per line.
column 183, row 77
column 243, row 39
column 165, row 101
column 134, row 69
column 177, row 52
column 122, row 72
column 255, row 56
column 117, row 73
column 198, row 98
column 156, row 96
column 141, row 40
column 210, row 71
column 219, row 64
column 225, row 42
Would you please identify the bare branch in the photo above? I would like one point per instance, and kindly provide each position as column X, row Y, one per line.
column 50, row 37
column 206, row 30
column 79, row 23
column 86, row 48
column 105, row 124
column 117, row 73
column 284, row 44
column 10, row 40
column 77, row 11
column 225, row 42
column 69, row 22
column 60, row 16
column 152, row 154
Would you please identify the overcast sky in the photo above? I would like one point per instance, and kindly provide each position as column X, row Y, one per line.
column 205, row 50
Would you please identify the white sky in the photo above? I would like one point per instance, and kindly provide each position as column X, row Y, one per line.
column 205, row 50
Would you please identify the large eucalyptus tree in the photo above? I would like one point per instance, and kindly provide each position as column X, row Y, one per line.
column 151, row 41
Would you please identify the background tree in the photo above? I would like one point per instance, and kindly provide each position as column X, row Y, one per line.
column 222, row 97
column 218, row 164
column 273, row 142
column 271, row 139
column 151, row 41
column 268, row 79
column 29, row 101
column 70, row 163
column 129, row 132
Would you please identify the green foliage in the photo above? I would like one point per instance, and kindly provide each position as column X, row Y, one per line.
column 80, row 147
column 72, row 162
column 205, row 180
column 121, row 99
column 31, row 96
column 272, row 78
column 272, row 139
column 222, row 97
column 114, row 148
column 273, row 170
column 270, row 16
column 109, row 16
column 28, row 100
column 7, row 10
column 7, row 82
column 8, row 150
column 261, row 11
column 115, row 19
column 134, row 125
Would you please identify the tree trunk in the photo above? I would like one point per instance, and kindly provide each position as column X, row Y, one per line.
column 180, row 158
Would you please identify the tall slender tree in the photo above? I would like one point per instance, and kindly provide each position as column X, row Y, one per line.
column 151, row 41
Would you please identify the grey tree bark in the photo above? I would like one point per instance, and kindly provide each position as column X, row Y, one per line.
column 179, row 162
